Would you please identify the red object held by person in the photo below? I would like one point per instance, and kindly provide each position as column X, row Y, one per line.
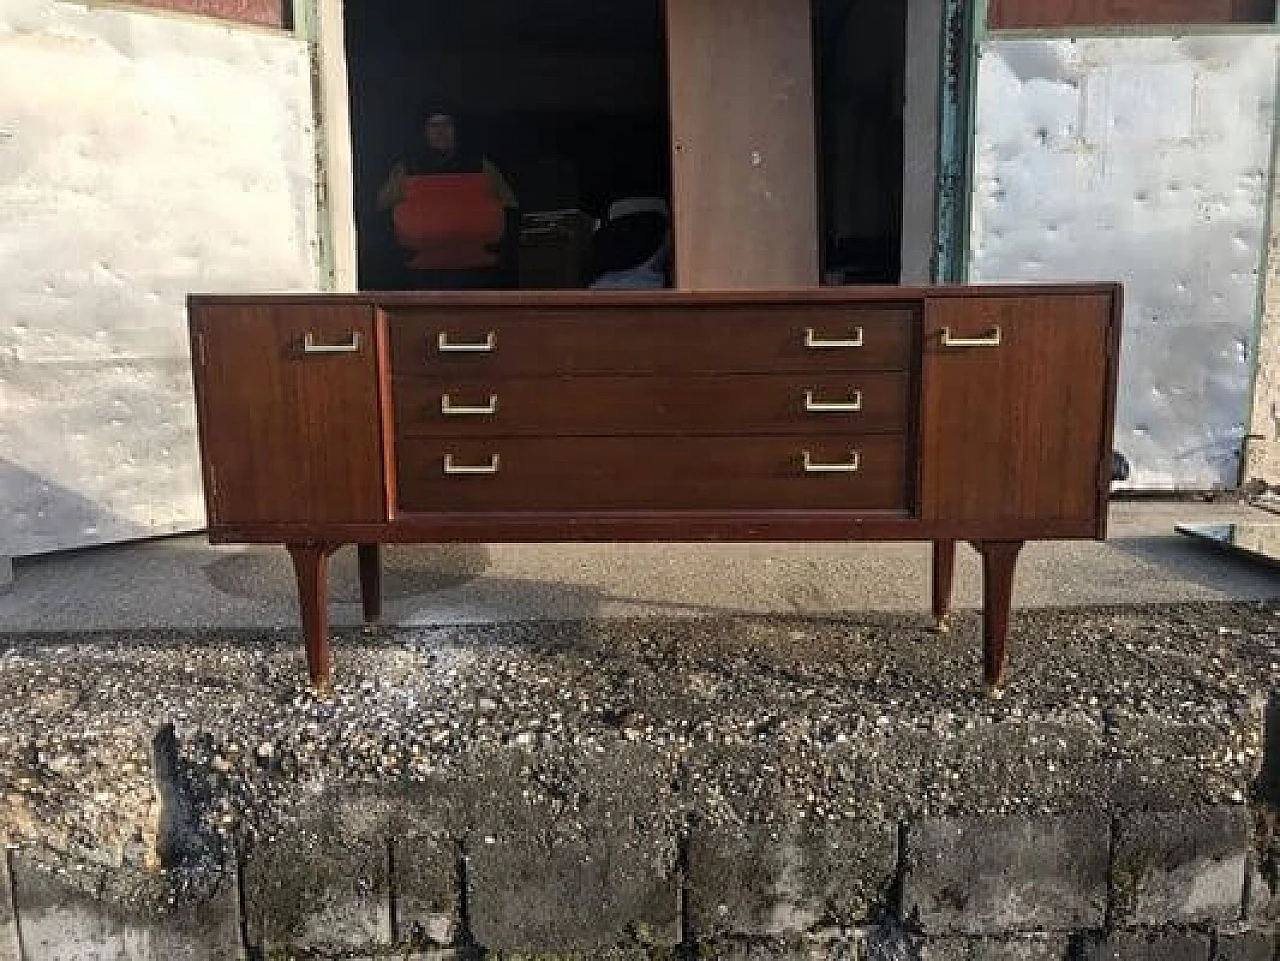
column 449, row 221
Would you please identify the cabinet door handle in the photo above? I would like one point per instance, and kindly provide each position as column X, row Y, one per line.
column 450, row 409
column 352, row 346
column 841, row 467
column 814, row 342
column 854, row 403
column 451, row 468
column 991, row 339
column 448, row 346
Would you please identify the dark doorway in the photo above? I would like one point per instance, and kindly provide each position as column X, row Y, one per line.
column 567, row 99
column 861, row 63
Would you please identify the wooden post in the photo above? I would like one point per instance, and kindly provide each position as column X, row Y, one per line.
column 944, row 563
column 999, row 559
column 744, row 144
column 310, row 564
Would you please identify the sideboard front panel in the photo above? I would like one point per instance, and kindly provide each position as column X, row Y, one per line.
column 1015, row 410
column 289, row 413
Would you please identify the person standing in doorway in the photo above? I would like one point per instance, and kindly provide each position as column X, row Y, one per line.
column 455, row 218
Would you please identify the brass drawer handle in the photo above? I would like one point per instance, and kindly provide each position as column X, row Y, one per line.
column 352, row 346
column 854, row 403
column 450, row 409
column 448, row 346
column 451, row 468
column 847, row 467
column 990, row 340
column 813, row 342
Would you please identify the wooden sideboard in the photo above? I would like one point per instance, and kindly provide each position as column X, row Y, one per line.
column 891, row 413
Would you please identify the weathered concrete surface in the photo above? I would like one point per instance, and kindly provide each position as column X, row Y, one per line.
column 186, row 584
column 427, row 885
column 757, row 720
column 322, row 883
column 585, row 750
column 997, row 875
column 1182, row 866
column 780, row 880
column 994, row 949
column 1162, row 945
column 1248, row 946
column 9, row 946
column 838, row 948
column 568, row 852
column 94, row 914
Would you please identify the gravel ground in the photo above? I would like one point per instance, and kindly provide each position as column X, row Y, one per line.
column 732, row 721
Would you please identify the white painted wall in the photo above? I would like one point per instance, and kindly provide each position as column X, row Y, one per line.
column 1143, row 160
column 142, row 157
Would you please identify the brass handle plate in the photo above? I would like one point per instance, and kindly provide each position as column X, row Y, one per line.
column 840, row 467
column 450, row 467
column 991, row 339
column 450, row 409
column 352, row 345
column 813, row 342
column 852, row 405
column 447, row 346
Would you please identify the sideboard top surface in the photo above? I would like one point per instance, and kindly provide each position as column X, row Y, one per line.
column 655, row 298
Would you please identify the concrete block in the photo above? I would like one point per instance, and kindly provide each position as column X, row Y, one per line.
column 595, row 954
column 427, row 954
column 1183, row 866
column 782, row 881
column 1148, row 946
column 1259, row 897
column 1003, row 875
column 318, row 889
column 846, row 948
column 536, row 886
column 426, row 887
column 8, row 920
column 96, row 916
column 1246, row 946
column 571, row 852
column 890, row 942
column 995, row 949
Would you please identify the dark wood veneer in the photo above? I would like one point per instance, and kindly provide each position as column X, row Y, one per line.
column 659, row 416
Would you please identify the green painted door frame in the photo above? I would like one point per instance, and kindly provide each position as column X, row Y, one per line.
column 962, row 33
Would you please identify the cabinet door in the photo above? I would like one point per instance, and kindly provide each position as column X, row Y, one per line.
column 1016, row 435
column 289, row 414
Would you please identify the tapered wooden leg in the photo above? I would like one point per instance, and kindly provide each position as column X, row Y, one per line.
column 944, row 564
column 310, row 564
column 999, row 558
column 371, row 581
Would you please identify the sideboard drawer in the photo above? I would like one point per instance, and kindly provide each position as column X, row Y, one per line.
column 870, row 402
column 659, row 339
column 639, row 473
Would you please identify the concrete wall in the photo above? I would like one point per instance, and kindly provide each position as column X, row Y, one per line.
column 142, row 156
column 370, row 879
column 1144, row 160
